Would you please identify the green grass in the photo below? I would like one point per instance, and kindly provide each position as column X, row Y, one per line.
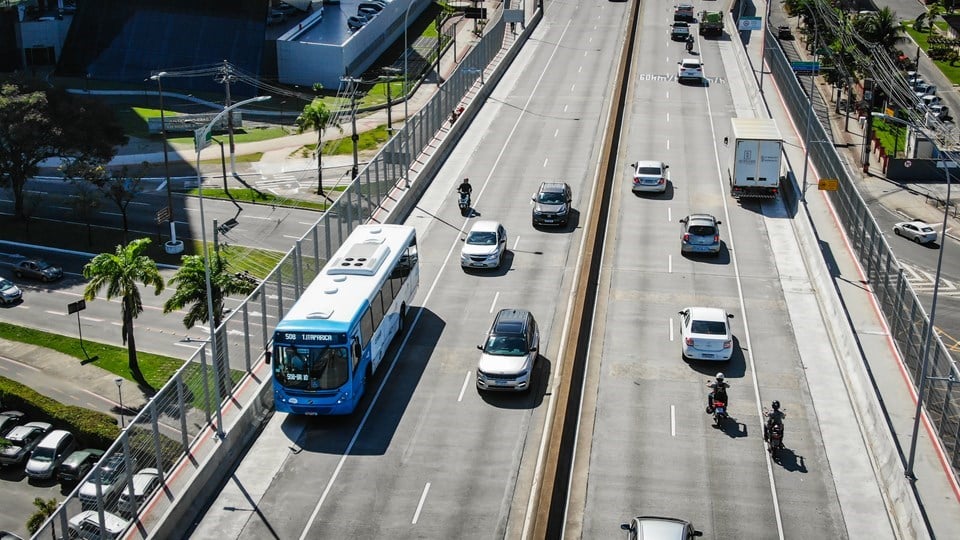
column 241, row 158
column 242, row 135
column 252, row 260
column 368, row 140
column 264, row 198
column 890, row 134
column 156, row 369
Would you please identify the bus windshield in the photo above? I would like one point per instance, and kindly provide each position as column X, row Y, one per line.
column 312, row 368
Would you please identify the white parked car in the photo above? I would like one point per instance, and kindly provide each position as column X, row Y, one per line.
column 145, row 482
column 650, row 176
column 705, row 334
column 689, row 69
column 86, row 524
column 484, row 246
column 918, row 231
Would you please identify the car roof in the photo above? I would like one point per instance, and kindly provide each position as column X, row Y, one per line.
column 115, row 524
column 80, row 455
column 691, row 61
column 19, row 432
column 511, row 321
column 661, row 528
column 553, row 186
column 915, row 223
column 702, row 217
column 707, row 313
column 485, row 225
column 649, row 163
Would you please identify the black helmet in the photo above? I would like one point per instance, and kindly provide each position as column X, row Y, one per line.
column 775, row 405
column 466, row 180
column 719, row 376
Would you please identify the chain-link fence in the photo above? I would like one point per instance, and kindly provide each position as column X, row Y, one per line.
column 906, row 317
column 133, row 476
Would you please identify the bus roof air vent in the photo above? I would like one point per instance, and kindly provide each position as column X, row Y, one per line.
column 361, row 259
column 320, row 314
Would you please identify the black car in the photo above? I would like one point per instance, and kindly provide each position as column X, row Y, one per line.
column 784, row 32
column 10, row 420
column 38, row 269
column 551, row 204
column 78, row 464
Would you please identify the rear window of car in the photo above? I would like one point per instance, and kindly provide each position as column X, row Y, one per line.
column 702, row 230
column 709, row 327
column 691, row 65
column 648, row 170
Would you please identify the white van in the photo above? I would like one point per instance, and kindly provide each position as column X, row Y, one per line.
column 50, row 453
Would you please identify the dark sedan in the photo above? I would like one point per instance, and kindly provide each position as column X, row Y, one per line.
column 38, row 269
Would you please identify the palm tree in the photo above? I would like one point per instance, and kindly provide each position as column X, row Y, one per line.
column 120, row 272
column 45, row 509
column 884, row 29
column 318, row 117
column 190, row 281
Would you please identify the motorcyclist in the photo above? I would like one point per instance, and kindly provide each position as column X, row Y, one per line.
column 465, row 187
column 774, row 417
column 689, row 43
column 718, row 392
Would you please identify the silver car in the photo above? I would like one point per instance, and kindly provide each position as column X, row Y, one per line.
column 650, row 176
column 918, row 231
column 659, row 528
column 701, row 234
column 9, row 293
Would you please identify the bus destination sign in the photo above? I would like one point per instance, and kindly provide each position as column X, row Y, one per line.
column 310, row 338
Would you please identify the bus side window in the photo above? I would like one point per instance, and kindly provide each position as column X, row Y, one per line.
column 357, row 350
column 366, row 327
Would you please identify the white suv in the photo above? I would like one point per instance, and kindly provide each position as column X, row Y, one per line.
column 690, row 69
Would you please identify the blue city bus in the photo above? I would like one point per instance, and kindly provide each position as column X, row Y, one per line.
column 332, row 340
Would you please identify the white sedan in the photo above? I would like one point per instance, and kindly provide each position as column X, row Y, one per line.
column 484, row 246
column 705, row 334
column 917, row 231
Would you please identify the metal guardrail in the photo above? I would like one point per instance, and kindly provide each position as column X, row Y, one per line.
column 176, row 419
column 905, row 315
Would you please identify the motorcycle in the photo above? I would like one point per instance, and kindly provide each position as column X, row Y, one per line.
column 774, row 438
column 719, row 412
column 689, row 44
column 464, row 202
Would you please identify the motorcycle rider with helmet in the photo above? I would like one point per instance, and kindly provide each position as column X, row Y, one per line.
column 718, row 392
column 774, row 418
column 465, row 187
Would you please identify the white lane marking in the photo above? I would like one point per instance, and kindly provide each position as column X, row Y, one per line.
column 266, row 218
column 668, row 117
column 565, row 107
column 111, row 214
column 494, row 303
column 668, row 144
column 670, row 324
column 466, row 381
column 572, row 86
column 668, row 95
column 670, row 264
column 52, row 312
column 580, row 69
column 669, row 214
column 743, row 311
column 673, row 421
column 403, row 344
column 135, row 203
column 20, row 364
column 423, row 498
column 92, row 319
column 292, row 237
column 556, row 132
column 516, row 242
column 545, row 160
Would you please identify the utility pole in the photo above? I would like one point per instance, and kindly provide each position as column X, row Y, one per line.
column 226, row 77
column 352, row 86
column 868, row 127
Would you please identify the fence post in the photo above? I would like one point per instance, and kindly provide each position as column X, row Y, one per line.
column 182, row 408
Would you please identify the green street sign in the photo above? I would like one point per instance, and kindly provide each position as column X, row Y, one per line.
column 201, row 138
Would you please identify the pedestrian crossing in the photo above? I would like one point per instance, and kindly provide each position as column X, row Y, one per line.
column 922, row 281
column 279, row 181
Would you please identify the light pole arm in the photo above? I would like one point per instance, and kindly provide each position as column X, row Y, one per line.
column 206, row 129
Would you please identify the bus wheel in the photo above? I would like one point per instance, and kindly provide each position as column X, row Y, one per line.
column 403, row 318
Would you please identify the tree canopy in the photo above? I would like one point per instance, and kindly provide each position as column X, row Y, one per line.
column 38, row 122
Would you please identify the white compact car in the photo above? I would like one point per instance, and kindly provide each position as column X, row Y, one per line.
column 705, row 334
column 918, row 231
column 484, row 246
column 689, row 69
column 650, row 176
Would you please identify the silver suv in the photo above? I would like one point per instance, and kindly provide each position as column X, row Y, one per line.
column 701, row 234
column 509, row 352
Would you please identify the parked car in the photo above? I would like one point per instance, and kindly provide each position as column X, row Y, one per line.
column 705, row 334
column 928, row 101
column 111, row 478
column 690, row 69
column 22, row 440
column 918, row 231
column 509, row 352
column 10, row 420
column 78, row 464
column 145, row 482
column 484, row 246
column 37, row 269
column 650, row 176
column 938, row 111
column 9, row 293
column 50, row 453
column 701, row 234
column 551, row 204
column 924, row 89
column 660, row 528
column 86, row 525
column 784, row 32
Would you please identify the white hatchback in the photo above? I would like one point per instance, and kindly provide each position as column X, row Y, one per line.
column 650, row 176
column 689, row 69
column 705, row 334
column 918, row 231
column 484, row 246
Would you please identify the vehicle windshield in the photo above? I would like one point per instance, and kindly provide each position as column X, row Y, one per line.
column 43, row 265
column 4, row 284
column 716, row 328
column 550, row 197
column 652, row 171
column 42, row 454
column 482, row 238
column 506, row 346
column 313, row 368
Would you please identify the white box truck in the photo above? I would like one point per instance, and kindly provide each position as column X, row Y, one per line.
column 757, row 157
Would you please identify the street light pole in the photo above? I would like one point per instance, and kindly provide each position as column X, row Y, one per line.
column 166, row 163
column 200, row 137
column 406, row 95
column 806, row 136
column 119, row 383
